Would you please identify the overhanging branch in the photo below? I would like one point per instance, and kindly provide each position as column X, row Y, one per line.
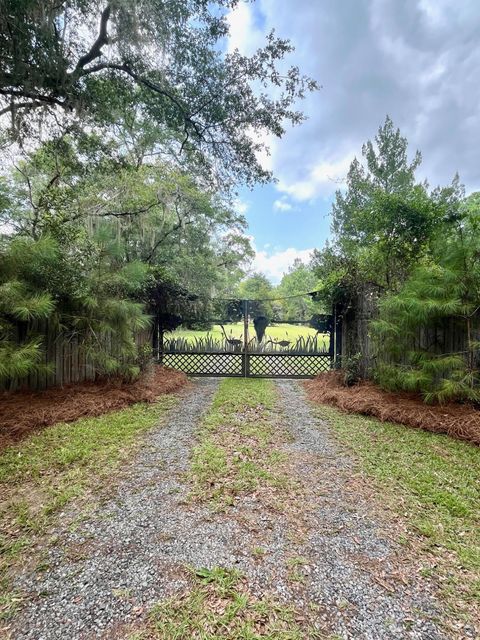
column 96, row 48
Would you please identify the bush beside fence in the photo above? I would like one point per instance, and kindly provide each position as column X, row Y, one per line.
column 64, row 360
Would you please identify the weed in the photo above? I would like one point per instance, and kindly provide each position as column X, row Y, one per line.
column 296, row 567
column 219, row 605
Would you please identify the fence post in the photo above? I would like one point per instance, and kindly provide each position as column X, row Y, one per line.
column 338, row 338
column 246, row 364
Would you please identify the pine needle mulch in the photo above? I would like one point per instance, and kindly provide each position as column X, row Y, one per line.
column 22, row 412
column 460, row 421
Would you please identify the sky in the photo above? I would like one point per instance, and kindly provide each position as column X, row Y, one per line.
column 415, row 60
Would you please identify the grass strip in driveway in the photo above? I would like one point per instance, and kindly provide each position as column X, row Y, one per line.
column 219, row 605
column 43, row 473
column 432, row 482
column 238, row 446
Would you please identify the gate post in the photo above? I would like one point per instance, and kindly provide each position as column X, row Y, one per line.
column 338, row 338
column 155, row 349
column 331, row 342
column 246, row 364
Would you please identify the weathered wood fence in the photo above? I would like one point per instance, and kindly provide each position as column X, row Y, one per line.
column 69, row 361
column 448, row 336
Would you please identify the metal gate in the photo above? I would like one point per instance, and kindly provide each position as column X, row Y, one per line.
column 254, row 345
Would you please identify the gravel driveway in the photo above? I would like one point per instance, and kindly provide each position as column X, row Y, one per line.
column 357, row 572
column 130, row 552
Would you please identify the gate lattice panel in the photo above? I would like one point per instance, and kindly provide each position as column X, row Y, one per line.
column 206, row 364
column 280, row 365
column 249, row 365
column 243, row 341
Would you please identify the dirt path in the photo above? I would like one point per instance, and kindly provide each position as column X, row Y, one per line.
column 322, row 550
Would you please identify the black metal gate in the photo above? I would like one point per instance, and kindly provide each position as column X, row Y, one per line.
column 275, row 348
column 249, row 365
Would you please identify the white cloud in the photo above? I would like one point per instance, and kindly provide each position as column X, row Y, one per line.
column 282, row 204
column 323, row 179
column 274, row 265
column 415, row 60
column 244, row 35
column 240, row 206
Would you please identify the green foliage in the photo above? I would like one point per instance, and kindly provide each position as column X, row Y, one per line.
column 258, row 289
column 22, row 303
column 42, row 284
column 84, row 192
column 123, row 206
column 299, row 279
column 383, row 223
column 409, row 255
column 103, row 239
column 352, row 369
column 442, row 294
column 158, row 72
column 17, row 361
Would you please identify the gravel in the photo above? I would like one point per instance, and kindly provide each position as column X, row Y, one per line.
column 347, row 549
column 130, row 552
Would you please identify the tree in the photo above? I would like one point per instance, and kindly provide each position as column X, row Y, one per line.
column 80, row 293
column 146, row 64
column 20, row 304
column 387, row 160
column 258, row 289
column 151, row 212
column 384, row 218
column 121, row 234
column 134, row 124
column 299, row 279
column 383, row 223
column 440, row 297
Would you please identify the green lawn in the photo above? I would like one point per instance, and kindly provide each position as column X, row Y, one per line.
column 43, row 473
column 235, row 330
column 299, row 338
column 433, row 482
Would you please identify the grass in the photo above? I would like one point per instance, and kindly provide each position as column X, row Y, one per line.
column 237, row 450
column 43, row 473
column 296, row 566
column 280, row 331
column 433, row 482
column 279, row 338
column 219, row 605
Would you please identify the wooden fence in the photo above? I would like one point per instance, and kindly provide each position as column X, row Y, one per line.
column 68, row 361
column 448, row 336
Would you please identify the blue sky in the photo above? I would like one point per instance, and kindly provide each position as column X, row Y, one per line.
column 282, row 229
column 416, row 60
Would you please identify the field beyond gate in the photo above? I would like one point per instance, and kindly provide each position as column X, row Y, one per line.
column 252, row 339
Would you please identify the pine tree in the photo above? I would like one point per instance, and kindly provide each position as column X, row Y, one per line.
column 441, row 295
column 21, row 304
column 91, row 299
